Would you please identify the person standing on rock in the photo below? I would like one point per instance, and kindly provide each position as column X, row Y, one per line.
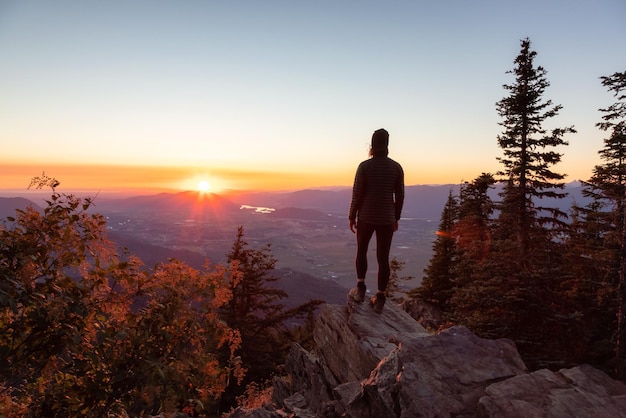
column 376, row 205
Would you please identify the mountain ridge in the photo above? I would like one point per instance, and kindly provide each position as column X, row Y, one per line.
column 421, row 201
column 8, row 206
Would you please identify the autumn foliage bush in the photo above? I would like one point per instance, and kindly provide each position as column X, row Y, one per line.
column 86, row 330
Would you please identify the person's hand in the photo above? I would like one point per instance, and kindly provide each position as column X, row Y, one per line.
column 395, row 226
column 352, row 226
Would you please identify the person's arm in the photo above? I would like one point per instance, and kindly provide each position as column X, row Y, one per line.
column 399, row 195
column 357, row 196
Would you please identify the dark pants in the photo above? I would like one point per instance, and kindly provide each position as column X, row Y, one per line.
column 384, row 234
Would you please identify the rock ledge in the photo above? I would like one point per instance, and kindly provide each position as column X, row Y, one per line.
column 369, row 366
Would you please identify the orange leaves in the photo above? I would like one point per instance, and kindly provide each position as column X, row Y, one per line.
column 82, row 326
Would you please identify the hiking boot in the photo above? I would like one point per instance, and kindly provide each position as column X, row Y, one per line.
column 357, row 294
column 378, row 302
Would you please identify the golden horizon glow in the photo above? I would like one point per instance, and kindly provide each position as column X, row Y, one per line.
column 153, row 179
column 93, row 179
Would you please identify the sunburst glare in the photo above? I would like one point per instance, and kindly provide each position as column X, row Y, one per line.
column 204, row 186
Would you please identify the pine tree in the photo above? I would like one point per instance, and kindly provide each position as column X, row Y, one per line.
column 438, row 282
column 518, row 279
column 529, row 150
column 255, row 309
column 474, row 224
column 256, row 312
column 607, row 188
column 508, row 268
column 472, row 303
column 588, row 287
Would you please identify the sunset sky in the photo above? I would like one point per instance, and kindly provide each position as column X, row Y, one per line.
column 284, row 95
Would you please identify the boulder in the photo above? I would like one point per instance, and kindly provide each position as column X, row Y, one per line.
column 442, row 374
column 582, row 392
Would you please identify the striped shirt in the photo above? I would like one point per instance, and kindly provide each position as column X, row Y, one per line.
column 378, row 191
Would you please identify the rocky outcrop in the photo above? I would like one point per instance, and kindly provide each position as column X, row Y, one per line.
column 369, row 366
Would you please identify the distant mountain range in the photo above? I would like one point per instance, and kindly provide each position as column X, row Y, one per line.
column 421, row 201
column 8, row 206
column 169, row 202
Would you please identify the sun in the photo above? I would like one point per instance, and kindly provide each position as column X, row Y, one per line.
column 204, row 186
column 201, row 184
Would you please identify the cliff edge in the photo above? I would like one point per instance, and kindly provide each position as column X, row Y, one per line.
column 366, row 365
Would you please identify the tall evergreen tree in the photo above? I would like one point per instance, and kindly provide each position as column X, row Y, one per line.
column 475, row 209
column 471, row 303
column 256, row 312
column 255, row 309
column 588, row 288
column 521, row 272
column 438, row 282
column 529, row 150
column 607, row 188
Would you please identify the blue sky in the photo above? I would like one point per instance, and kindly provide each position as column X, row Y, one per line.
column 287, row 92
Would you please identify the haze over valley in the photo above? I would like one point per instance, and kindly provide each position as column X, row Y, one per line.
column 307, row 230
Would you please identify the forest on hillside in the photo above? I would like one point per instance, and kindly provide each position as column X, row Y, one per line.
column 88, row 330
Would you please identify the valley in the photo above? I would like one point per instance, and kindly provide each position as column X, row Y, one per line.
column 312, row 242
